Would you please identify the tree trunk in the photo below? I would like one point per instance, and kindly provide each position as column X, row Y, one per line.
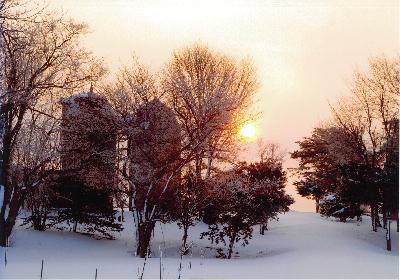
column 231, row 243
column 384, row 218
column 184, row 239
column 373, row 217
column 130, row 194
column 316, row 205
column 397, row 221
column 263, row 227
column 11, row 197
column 3, row 236
column 5, row 189
column 7, row 223
column 144, row 236
column 5, row 167
column 6, row 232
column 75, row 226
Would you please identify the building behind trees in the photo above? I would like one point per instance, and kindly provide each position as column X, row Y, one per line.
column 88, row 140
column 88, row 158
column 154, row 144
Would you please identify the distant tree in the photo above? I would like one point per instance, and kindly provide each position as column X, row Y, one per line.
column 269, row 152
column 353, row 158
column 329, row 171
column 390, row 180
column 370, row 116
column 318, row 157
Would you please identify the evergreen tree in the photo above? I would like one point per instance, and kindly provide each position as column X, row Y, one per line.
column 241, row 198
column 354, row 160
column 188, row 206
column 271, row 171
column 80, row 204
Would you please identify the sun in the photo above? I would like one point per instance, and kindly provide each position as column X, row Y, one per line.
column 248, row 132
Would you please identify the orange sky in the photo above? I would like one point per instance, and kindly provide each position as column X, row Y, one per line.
column 304, row 51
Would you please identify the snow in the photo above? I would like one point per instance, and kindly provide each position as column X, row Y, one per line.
column 329, row 196
column 73, row 104
column 299, row 245
column 71, row 99
column 145, row 125
column 326, row 198
column 338, row 211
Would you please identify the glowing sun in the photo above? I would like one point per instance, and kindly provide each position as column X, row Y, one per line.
column 248, row 131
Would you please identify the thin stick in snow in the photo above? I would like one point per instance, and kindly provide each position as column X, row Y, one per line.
column 180, row 267
column 144, row 266
column 41, row 271
column 161, row 256
column 160, row 267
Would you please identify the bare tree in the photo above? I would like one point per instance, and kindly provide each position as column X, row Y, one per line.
column 269, row 152
column 150, row 148
column 134, row 87
column 42, row 60
column 210, row 94
column 35, row 163
column 370, row 116
column 209, row 104
column 354, row 160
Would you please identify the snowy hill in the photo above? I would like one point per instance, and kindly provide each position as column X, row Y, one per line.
column 300, row 245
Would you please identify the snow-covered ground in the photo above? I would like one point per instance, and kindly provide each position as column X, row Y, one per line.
column 300, row 245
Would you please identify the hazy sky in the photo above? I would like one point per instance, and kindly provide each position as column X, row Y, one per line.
column 305, row 51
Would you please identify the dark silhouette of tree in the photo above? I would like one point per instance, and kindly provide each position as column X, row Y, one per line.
column 354, row 160
column 241, row 198
column 188, row 206
column 42, row 59
column 210, row 94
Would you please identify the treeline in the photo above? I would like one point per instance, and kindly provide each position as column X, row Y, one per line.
column 151, row 143
column 350, row 165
